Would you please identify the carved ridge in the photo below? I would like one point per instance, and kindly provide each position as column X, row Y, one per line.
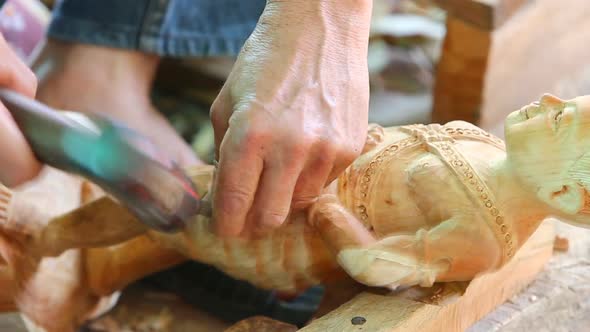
column 5, row 198
column 475, row 134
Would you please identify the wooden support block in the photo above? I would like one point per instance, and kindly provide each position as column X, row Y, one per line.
column 524, row 49
column 461, row 72
column 483, row 14
column 541, row 50
column 444, row 307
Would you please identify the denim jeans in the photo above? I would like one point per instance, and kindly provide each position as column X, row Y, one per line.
column 173, row 28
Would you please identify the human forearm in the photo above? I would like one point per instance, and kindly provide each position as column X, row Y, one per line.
column 344, row 21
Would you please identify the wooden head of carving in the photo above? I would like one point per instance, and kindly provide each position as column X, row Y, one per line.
column 548, row 147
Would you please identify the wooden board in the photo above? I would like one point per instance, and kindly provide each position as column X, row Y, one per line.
column 557, row 300
column 442, row 308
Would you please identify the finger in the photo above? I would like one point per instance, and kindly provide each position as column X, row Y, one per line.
column 273, row 198
column 313, row 179
column 14, row 73
column 221, row 110
column 235, row 186
column 342, row 161
column 17, row 162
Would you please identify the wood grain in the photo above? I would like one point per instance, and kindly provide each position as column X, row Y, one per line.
column 460, row 74
column 443, row 308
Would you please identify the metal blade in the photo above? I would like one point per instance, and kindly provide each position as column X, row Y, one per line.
column 122, row 162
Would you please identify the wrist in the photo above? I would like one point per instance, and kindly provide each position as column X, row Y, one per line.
column 334, row 5
column 344, row 20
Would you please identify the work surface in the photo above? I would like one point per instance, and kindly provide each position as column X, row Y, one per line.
column 558, row 300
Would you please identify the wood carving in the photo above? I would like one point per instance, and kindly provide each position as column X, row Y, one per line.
column 422, row 204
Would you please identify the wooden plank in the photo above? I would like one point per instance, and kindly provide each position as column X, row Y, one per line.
column 483, row 14
column 558, row 299
column 443, row 307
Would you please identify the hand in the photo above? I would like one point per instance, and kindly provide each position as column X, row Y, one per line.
column 17, row 162
column 293, row 112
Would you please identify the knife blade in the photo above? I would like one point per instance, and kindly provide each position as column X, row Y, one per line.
column 119, row 160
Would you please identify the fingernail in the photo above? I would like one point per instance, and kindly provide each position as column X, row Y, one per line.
column 271, row 220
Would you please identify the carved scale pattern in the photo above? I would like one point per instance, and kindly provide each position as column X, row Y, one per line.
column 441, row 142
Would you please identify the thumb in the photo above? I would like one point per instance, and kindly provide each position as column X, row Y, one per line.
column 17, row 161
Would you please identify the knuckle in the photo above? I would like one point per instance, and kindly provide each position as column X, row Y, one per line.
column 215, row 114
column 303, row 201
column 256, row 137
column 299, row 148
column 30, row 82
column 347, row 154
column 233, row 200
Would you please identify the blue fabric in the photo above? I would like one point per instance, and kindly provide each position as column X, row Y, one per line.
column 175, row 28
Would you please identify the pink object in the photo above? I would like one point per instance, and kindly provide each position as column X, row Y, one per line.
column 23, row 24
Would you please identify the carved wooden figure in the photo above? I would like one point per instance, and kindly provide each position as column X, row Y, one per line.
column 422, row 204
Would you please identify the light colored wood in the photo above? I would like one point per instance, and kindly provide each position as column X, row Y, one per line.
column 398, row 313
column 511, row 68
column 483, row 14
column 462, row 69
column 423, row 204
column 520, row 69
column 461, row 73
column 557, row 300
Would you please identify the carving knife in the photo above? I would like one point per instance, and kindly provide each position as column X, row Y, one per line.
column 123, row 163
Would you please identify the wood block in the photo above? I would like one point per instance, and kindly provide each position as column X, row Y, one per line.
column 483, row 14
column 446, row 306
column 461, row 71
column 540, row 49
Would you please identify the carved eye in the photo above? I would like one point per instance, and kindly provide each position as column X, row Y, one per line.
column 556, row 116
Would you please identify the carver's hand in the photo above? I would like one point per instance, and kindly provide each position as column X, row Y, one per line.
column 293, row 112
column 17, row 162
